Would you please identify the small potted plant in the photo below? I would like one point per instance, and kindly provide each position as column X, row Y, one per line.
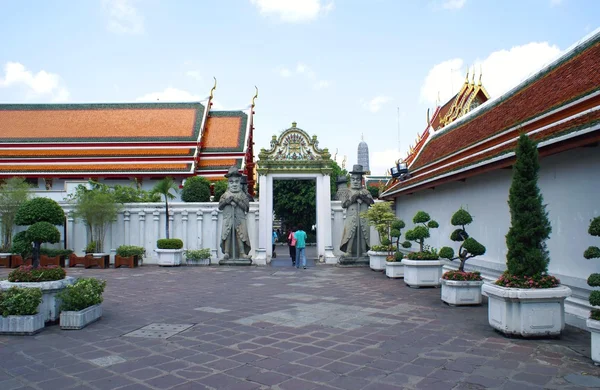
column 421, row 268
column 393, row 266
column 19, row 311
column 593, row 323
column 169, row 251
column 460, row 287
column 525, row 289
column 129, row 255
column 380, row 216
column 197, row 256
column 81, row 303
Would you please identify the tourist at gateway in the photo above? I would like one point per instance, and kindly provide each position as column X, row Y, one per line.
column 274, row 241
column 300, row 236
column 292, row 244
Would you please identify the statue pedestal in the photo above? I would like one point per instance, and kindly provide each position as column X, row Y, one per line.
column 329, row 257
column 353, row 261
column 235, row 262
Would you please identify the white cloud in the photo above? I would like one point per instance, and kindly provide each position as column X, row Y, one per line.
column 554, row 3
column 502, row 70
column 41, row 84
column 285, row 72
column 170, row 95
column 453, row 4
column 322, row 84
column 194, row 74
column 306, row 72
column 293, row 11
column 375, row 104
column 123, row 17
column 380, row 162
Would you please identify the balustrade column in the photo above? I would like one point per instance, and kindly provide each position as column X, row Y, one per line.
column 217, row 238
column 71, row 230
column 184, row 221
column 156, row 218
column 142, row 228
column 171, row 227
column 126, row 219
column 199, row 217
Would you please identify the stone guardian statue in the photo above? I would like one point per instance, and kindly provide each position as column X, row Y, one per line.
column 234, row 203
column 356, row 199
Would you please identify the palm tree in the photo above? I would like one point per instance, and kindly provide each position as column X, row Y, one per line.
column 164, row 188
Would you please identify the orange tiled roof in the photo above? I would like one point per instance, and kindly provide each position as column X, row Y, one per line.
column 73, row 152
column 225, row 131
column 574, row 76
column 84, row 168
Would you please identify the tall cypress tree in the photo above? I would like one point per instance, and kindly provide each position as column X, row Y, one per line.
column 530, row 228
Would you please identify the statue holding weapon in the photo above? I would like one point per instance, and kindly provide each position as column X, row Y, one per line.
column 234, row 203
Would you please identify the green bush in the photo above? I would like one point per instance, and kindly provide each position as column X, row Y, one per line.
column 420, row 232
column 427, row 254
column 91, row 247
column 219, row 189
column 461, row 275
column 21, row 245
column 593, row 252
column 26, row 273
column 197, row 254
column 20, row 301
column 535, row 281
column 380, row 248
column 196, row 189
column 84, row 293
column 55, row 252
column 469, row 247
column 169, row 243
column 131, row 250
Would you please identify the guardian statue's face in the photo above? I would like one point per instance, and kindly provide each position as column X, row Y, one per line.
column 355, row 182
column 235, row 184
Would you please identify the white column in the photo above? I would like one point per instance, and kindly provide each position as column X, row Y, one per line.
column 199, row 216
column 171, row 217
column 184, row 222
column 268, row 232
column 260, row 253
column 256, row 230
column 328, row 215
column 126, row 233
column 142, row 228
column 321, row 216
column 71, row 230
column 216, row 236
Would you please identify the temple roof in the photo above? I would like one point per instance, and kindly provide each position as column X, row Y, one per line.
column 558, row 107
column 119, row 139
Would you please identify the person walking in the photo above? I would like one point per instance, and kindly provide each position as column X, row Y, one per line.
column 300, row 236
column 274, row 240
column 292, row 244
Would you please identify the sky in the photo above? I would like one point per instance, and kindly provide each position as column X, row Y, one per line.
column 344, row 70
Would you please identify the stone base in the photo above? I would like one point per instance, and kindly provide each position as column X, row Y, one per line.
column 22, row 325
column 461, row 292
column 377, row 260
column 235, row 262
column 353, row 262
column 169, row 257
column 422, row 273
column 594, row 327
column 80, row 319
column 394, row 269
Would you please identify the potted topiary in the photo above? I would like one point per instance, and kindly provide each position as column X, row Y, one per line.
column 593, row 323
column 525, row 290
column 460, row 287
column 393, row 265
column 417, row 271
column 19, row 311
column 129, row 255
column 198, row 256
column 169, row 251
column 380, row 216
column 81, row 303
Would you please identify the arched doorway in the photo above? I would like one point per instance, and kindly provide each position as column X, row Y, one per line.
column 294, row 155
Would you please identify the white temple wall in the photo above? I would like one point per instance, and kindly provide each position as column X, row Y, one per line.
column 570, row 184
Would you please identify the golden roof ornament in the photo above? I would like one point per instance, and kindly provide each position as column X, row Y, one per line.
column 212, row 90
column 254, row 97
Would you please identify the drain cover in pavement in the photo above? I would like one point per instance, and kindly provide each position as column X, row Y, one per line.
column 106, row 361
column 159, row 331
column 583, row 380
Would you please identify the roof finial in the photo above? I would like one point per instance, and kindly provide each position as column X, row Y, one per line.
column 362, row 136
column 473, row 75
column 294, row 124
column 467, row 76
column 480, row 74
column 255, row 96
column 213, row 88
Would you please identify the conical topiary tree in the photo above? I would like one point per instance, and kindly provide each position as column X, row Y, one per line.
column 593, row 252
column 469, row 247
column 41, row 215
column 420, row 232
column 530, row 228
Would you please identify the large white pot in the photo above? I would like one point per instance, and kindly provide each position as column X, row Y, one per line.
column 526, row 312
column 22, row 325
column 594, row 327
column 80, row 319
column 169, row 257
column 422, row 273
column 461, row 292
column 394, row 269
column 50, row 306
column 377, row 260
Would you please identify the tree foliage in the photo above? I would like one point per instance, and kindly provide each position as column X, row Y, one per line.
column 380, row 216
column 196, row 189
column 13, row 193
column 219, row 190
column 469, row 247
column 593, row 252
column 530, row 228
column 166, row 187
column 420, row 232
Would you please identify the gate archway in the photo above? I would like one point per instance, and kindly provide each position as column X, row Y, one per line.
column 294, row 155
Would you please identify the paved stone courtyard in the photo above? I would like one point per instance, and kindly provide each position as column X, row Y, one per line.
column 281, row 328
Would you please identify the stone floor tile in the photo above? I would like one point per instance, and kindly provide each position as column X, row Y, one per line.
column 165, row 381
column 268, row 378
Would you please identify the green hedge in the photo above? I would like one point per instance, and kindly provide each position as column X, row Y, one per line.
column 55, row 252
column 20, row 301
column 26, row 273
column 84, row 293
column 169, row 243
column 131, row 250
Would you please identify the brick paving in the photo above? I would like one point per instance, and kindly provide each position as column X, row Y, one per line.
column 280, row 328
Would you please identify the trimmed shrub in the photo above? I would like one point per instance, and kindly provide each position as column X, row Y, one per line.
column 84, row 293
column 20, row 301
column 420, row 232
column 197, row 254
column 21, row 245
column 50, row 252
column 26, row 273
column 196, row 189
column 219, row 189
column 469, row 247
column 593, row 252
column 131, row 250
column 169, row 243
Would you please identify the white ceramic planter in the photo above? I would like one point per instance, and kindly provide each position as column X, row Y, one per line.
column 377, row 260
column 169, row 257
column 80, row 319
column 21, row 325
column 50, row 306
column 594, row 327
column 394, row 269
column 422, row 273
column 198, row 262
column 461, row 292
column 526, row 312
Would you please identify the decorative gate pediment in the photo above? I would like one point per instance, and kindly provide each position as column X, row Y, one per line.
column 294, row 151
